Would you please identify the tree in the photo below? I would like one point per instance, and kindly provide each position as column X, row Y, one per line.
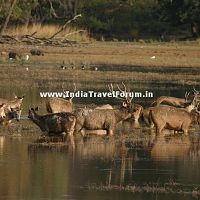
column 3, row 28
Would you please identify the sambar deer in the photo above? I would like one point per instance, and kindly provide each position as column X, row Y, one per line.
column 146, row 112
column 12, row 104
column 103, row 119
column 136, row 108
column 55, row 124
column 172, row 100
column 57, row 104
column 104, row 107
column 15, row 113
column 169, row 117
column 2, row 111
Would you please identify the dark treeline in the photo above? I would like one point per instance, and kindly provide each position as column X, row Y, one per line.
column 120, row 19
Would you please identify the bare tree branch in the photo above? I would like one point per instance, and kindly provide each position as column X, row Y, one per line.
column 64, row 26
column 52, row 10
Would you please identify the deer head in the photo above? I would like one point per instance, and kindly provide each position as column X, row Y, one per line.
column 64, row 92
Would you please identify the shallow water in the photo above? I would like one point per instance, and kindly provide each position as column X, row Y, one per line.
column 99, row 168
column 29, row 172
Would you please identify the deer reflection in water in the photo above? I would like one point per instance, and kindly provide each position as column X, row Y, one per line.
column 111, row 152
column 2, row 142
column 121, row 160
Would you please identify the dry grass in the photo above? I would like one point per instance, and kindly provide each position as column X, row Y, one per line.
column 46, row 31
column 53, row 76
column 153, row 188
column 166, row 54
column 173, row 63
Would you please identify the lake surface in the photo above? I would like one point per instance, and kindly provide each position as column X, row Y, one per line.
column 98, row 169
column 124, row 167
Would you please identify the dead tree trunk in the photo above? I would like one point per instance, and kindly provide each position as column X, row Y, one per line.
column 28, row 17
column 76, row 4
column 3, row 28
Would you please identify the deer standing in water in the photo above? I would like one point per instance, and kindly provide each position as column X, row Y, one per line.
column 57, row 104
column 55, row 124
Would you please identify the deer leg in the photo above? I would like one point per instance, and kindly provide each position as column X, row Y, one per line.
column 71, row 133
column 110, row 132
column 71, row 140
column 185, row 131
column 159, row 129
column 83, row 132
column 151, row 125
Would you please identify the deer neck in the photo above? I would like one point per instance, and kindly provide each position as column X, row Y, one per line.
column 121, row 114
column 194, row 118
column 190, row 108
column 16, row 103
column 36, row 119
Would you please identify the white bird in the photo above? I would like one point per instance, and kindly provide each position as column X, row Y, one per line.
column 96, row 68
column 27, row 57
column 63, row 67
column 153, row 57
column 27, row 68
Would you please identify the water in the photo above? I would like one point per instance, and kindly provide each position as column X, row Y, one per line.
column 99, row 168
column 43, row 173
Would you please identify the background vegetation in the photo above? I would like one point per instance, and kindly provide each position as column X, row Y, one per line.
column 108, row 19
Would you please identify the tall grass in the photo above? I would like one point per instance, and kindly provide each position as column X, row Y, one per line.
column 46, row 31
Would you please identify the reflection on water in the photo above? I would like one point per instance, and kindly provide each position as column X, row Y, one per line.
column 46, row 173
column 2, row 140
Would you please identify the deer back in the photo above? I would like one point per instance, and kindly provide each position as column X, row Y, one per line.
column 56, row 105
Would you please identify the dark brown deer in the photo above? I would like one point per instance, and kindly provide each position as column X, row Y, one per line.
column 57, row 105
column 55, row 124
column 169, row 117
column 103, row 119
column 172, row 100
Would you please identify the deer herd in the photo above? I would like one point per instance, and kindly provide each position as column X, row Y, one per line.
column 64, row 121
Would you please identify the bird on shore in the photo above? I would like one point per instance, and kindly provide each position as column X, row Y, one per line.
column 27, row 57
column 62, row 66
column 83, row 66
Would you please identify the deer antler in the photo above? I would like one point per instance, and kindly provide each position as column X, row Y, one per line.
column 186, row 96
column 128, row 99
column 195, row 91
column 110, row 87
column 74, row 90
column 64, row 92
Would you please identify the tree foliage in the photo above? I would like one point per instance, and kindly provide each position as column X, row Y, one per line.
column 112, row 18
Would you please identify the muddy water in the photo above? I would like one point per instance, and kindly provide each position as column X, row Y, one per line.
column 124, row 167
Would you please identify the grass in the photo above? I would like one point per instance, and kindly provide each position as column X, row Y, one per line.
column 154, row 188
column 176, row 64
column 46, row 31
column 52, row 77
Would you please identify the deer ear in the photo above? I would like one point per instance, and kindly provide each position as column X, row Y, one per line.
column 16, row 97
column 36, row 108
column 3, row 105
column 124, row 104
